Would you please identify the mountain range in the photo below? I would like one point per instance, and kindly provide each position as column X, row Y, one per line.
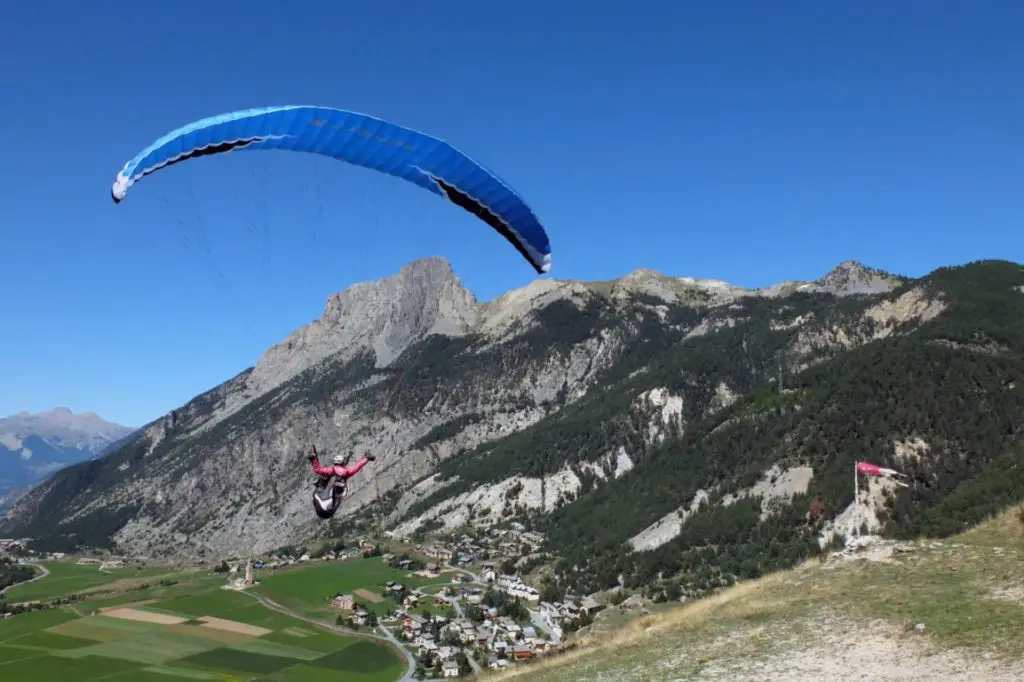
column 33, row 446
column 658, row 431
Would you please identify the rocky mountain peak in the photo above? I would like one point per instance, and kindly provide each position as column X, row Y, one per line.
column 425, row 297
column 62, row 421
column 851, row 277
column 35, row 445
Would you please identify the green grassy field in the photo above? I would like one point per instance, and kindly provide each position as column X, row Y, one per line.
column 79, row 642
column 39, row 645
column 67, row 578
column 308, row 590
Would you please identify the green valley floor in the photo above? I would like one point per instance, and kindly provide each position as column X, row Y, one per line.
column 183, row 628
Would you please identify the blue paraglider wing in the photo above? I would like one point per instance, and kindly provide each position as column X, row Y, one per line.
column 364, row 141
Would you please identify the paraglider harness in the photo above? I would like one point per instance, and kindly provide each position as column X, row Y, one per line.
column 327, row 493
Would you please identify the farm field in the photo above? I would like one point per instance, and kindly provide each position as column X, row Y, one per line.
column 192, row 630
column 67, row 578
column 308, row 590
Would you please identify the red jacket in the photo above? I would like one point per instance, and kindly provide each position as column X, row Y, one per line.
column 339, row 470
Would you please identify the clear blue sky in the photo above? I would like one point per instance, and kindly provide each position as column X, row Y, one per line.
column 748, row 141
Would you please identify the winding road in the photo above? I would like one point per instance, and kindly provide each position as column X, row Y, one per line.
column 472, row 661
column 388, row 636
column 44, row 569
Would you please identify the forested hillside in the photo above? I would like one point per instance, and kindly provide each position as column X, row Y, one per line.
column 952, row 384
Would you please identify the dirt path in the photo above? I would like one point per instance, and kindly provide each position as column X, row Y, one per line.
column 834, row 649
column 44, row 569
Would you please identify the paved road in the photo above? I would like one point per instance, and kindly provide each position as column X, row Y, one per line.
column 388, row 636
column 472, row 661
column 44, row 569
column 541, row 624
column 476, row 578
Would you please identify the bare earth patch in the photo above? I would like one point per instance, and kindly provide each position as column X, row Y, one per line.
column 839, row 650
column 369, row 596
column 142, row 616
column 1014, row 593
column 233, row 626
column 209, row 633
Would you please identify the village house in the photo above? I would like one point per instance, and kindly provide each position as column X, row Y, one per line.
column 522, row 652
column 429, row 649
column 438, row 552
column 524, row 591
column 550, row 612
column 411, row 624
column 510, row 628
column 450, row 669
column 425, row 641
column 507, row 581
column 344, row 602
column 515, row 586
column 463, row 629
column 588, row 605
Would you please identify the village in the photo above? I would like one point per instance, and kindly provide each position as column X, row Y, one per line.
column 476, row 620
column 476, row 616
column 496, row 544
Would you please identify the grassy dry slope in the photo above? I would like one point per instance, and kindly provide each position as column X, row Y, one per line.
column 839, row 619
